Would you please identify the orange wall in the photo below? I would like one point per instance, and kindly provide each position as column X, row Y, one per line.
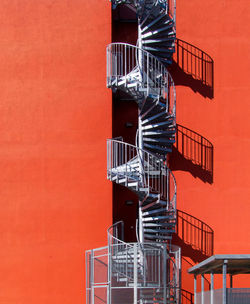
column 55, row 116
column 221, row 29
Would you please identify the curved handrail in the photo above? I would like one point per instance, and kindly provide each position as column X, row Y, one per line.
column 127, row 63
column 117, row 247
column 154, row 174
column 116, row 226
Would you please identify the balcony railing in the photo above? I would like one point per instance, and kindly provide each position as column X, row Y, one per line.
column 127, row 64
column 134, row 164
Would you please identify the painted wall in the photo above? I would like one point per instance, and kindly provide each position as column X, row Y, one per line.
column 210, row 71
column 55, row 116
column 220, row 29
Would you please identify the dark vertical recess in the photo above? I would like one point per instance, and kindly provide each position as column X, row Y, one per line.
column 124, row 123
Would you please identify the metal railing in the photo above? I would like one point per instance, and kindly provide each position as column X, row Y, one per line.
column 97, row 281
column 195, row 233
column 131, row 164
column 121, row 254
column 134, row 68
column 119, row 268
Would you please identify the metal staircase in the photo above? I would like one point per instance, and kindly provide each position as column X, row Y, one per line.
column 147, row 271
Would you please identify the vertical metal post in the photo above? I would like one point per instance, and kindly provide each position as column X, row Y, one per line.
column 202, row 289
column 141, row 235
column 140, row 140
column 224, row 271
column 110, row 247
column 107, row 66
column 125, row 59
column 212, row 288
column 164, row 273
column 87, row 279
column 135, row 273
column 147, row 73
column 177, row 49
column 92, row 277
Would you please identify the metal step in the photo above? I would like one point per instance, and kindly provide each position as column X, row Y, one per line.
column 158, row 218
column 169, row 225
column 145, row 28
column 159, row 49
column 155, row 231
column 158, row 149
column 154, row 204
column 158, row 133
column 161, row 115
column 155, row 211
column 158, row 31
column 169, row 40
column 159, row 125
column 168, row 141
column 157, row 237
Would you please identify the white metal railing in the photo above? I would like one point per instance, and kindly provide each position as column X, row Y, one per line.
column 97, row 281
column 140, row 267
column 134, row 68
column 140, row 263
column 123, row 267
column 131, row 164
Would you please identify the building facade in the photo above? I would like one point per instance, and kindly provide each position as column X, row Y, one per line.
column 56, row 114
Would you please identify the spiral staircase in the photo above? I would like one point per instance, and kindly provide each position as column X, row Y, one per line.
column 148, row 270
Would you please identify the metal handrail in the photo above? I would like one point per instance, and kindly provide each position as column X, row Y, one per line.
column 154, row 174
column 124, row 67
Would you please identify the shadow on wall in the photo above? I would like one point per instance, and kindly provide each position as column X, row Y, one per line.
column 187, row 297
column 193, row 153
column 193, row 68
column 194, row 236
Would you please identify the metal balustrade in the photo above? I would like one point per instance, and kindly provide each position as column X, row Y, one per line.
column 132, row 67
column 137, row 267
column 129, row 164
